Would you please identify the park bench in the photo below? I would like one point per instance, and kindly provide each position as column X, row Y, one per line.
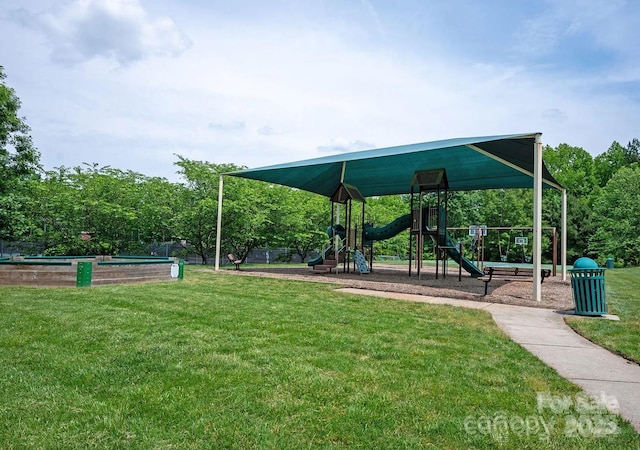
column 235, row 261
column 509, row 274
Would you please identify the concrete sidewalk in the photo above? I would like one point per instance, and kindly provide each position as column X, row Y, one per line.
column 544, row 333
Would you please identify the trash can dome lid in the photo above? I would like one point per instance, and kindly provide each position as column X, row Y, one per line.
column 585, row 263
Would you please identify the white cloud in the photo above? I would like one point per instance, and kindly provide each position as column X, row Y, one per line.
column 233, row 126
column 602, row 26
column 554, row 115
column 120, row 30
column 268, row 130
column 345, row 146
column 373, row 13
column 257, row 92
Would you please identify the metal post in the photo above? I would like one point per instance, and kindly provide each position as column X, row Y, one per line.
column 537, row 217
column 219, row 224
column 345, row 243
column 420, row 240
column 437, row 252
column 460, row 261
column 555, row 251
column 411, row 230
column 563, row 236
column 332, row 238
column 362, row 241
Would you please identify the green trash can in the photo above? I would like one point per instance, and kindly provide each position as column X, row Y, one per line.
column 609, row 263
column 83, row 273
column 587, row 285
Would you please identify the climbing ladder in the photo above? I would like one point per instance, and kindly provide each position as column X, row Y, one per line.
column 361, row 262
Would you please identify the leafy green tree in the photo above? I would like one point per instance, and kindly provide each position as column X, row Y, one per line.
column 465, row 208
column 248, row 210
column 504, row 208
column 380, row 211
column 108, row 209
column 156, row 200
column 609, row 162
column 574, row 167
column 19, row 162
column 123, row 210
column 93, row 210
column 581, row 175
column 53, row 220
column 632, row 152
column 299, row 221
column 255, row 214
column 250, row 215
column 617, row 216
column 195, row 219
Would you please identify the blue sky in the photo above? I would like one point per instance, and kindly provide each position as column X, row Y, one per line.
column 131, row 83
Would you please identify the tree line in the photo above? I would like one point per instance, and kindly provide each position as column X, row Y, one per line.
column 89, row 209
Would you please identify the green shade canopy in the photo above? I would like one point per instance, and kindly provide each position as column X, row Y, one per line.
column 490, row 162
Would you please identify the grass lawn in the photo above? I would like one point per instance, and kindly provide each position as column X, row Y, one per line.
column 224, row 361
column 622, row 288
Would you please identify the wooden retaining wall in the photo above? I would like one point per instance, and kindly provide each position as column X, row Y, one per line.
column 130, row 273
column 37, row 275
column 63, row 273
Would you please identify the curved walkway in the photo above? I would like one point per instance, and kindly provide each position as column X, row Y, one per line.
column 543, row 332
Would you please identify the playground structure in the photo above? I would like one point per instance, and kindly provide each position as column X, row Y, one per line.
column 431, row 188
column 428, row 218
column 471, row 163
column 83, row 271
column 342, row 240
column 473, row 261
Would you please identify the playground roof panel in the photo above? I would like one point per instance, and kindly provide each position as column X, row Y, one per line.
column 490, row 162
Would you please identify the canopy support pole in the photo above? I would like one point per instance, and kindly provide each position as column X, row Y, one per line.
column 563, row 236
column 219, row 224
column 537, row 217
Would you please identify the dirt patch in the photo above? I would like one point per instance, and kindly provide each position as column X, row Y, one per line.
column 556, row 294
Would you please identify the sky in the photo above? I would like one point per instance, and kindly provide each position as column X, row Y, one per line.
column 131, row 84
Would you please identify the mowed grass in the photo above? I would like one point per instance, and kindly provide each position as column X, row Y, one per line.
column 226, row 361
column 622, row 288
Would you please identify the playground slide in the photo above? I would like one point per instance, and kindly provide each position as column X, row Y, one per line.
column 387, row 231
column 455, row 255
column 331, row 231
column 404, row 222
column 319, row 259
column 390, row 230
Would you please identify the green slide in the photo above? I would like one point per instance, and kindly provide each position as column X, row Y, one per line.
column 455, row 255
column 387, row 231
column 404, row 222
column 335, row 230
